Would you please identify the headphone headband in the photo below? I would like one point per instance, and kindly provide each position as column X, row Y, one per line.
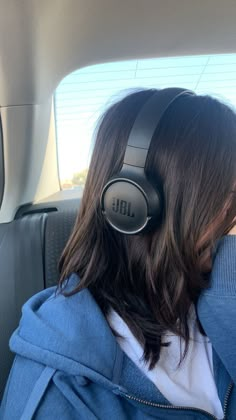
column 146, row 123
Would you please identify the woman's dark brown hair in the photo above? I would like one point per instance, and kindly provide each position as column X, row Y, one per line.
column 151, row 279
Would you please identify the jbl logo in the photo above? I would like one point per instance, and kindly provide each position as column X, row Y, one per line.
column 123, row 207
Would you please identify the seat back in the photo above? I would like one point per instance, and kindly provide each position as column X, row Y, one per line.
column 30, row 249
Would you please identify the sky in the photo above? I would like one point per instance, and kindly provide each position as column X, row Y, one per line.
column 83, row 95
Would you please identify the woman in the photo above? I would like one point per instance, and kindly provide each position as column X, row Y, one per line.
column 142, row 325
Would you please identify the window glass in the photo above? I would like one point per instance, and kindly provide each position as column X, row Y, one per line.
column 84, row 95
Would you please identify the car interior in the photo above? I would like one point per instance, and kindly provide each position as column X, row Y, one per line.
column 41, row 43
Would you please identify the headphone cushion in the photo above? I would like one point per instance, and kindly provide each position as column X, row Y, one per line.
column 130, row 203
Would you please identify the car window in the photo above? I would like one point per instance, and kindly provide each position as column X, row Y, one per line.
column 83, row 96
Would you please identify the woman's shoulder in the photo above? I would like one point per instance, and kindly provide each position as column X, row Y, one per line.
column 58, row 298
column 55, row 321
column 58, row 310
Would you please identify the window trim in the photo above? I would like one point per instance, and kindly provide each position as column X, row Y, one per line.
column 2, row 169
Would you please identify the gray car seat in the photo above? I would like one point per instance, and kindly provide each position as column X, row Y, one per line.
column 30, row 248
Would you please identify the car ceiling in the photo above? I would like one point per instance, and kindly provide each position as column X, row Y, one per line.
column 42, row 41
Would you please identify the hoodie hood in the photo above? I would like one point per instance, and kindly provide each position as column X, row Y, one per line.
column 71, row 335
column 60, row 332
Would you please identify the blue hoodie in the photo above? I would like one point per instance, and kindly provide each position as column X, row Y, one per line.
column 68, row 364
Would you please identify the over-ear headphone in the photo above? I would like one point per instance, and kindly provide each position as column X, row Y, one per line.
column 130, row 202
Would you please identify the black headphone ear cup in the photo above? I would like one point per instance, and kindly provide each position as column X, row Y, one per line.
column 130, row 205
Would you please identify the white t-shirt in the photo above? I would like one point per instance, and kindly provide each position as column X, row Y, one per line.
column 190, row 385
